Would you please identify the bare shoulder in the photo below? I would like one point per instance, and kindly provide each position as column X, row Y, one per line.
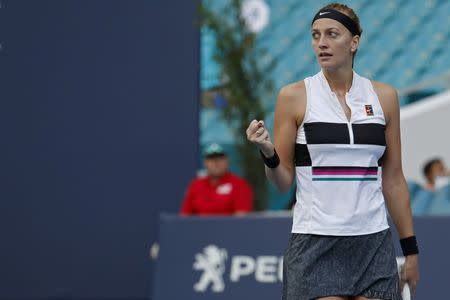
column 292, row 101
column 385, row 92
column 387, row 95
column 294, row 91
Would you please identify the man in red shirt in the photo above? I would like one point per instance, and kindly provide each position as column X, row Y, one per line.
column 220, row 192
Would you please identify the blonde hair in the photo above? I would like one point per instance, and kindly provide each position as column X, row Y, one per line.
column 345, row 10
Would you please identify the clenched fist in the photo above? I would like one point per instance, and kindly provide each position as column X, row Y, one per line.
column 259, row 135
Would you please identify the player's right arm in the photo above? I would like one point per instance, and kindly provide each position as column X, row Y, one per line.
column 289, row 113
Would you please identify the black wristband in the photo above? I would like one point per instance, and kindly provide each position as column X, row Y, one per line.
column 271, row 162
column 409, row 245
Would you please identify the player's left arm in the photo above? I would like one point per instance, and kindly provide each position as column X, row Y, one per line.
column 395, row 189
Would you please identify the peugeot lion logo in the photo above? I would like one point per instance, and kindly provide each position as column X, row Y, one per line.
column 212, row 263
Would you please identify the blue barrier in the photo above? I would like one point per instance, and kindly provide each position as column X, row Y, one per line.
column 240, row 257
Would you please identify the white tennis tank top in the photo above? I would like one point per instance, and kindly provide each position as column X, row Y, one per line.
column 338, row 173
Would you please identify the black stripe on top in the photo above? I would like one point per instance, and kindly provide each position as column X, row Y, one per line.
column 369, row 134
column 337, row 133
column 344, row 168
column 326, row 133
column 302, row 157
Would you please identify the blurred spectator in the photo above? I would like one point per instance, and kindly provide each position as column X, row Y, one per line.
column 436, row 174
column 219, row 192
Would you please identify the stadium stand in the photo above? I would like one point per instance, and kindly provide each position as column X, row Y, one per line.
column 403, row 42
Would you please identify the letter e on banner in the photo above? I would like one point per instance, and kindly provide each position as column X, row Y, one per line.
column 266, row 269
column 280, row 269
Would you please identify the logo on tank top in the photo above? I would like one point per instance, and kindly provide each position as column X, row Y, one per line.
column 369, row 110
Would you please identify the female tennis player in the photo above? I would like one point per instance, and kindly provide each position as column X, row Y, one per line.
column 338, row 134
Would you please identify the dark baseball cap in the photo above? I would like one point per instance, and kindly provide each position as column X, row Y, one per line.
column 214, row 150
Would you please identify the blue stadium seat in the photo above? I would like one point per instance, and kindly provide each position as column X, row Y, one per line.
column 214, row 129
column 210, row 70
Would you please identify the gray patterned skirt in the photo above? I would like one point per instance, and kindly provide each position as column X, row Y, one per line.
column 319, row 266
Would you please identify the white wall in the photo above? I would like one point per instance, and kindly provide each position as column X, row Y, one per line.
column 425, row 130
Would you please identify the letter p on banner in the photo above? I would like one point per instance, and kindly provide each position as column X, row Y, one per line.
column 241, row 266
